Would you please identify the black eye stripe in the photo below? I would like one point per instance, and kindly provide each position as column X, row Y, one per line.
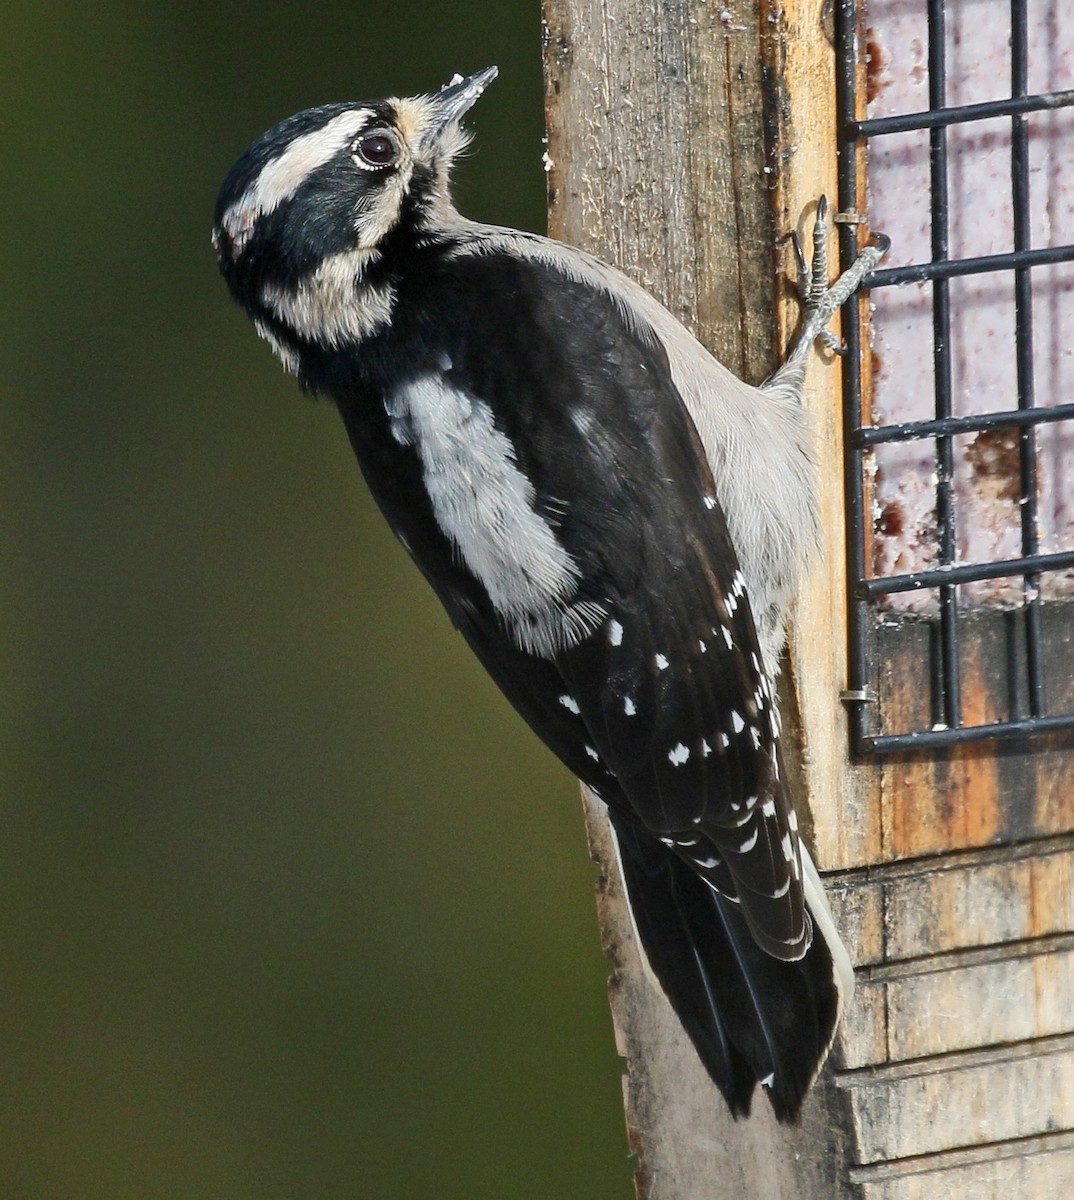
column 377, row 149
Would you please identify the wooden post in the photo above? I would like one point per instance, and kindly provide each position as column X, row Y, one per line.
column 658, row 118
column 685, row 140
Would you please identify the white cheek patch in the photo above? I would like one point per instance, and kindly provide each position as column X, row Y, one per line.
column 284, row 175
column 485, row 506
column 375, row 218
column 333, row 305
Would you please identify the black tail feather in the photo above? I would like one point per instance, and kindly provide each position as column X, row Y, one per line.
column 752, row 1018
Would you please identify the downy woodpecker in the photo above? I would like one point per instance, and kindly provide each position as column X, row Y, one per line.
column 613, row 521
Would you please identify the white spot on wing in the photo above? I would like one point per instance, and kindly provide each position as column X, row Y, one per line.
column 592, row 753
column 706, row 749
column 679, row 754
column 788, row 849
column 571, row 703
column 661, row 662
column 768, row 809
column 737, row 722
column 615, row 633
column 749, row 843
column 629, row 706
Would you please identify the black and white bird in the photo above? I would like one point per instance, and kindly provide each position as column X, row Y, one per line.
column 614, row 522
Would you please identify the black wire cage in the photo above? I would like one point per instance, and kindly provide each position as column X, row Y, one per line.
column 1026, row 621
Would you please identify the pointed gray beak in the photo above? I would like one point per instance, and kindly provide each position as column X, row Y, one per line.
column 455, row 99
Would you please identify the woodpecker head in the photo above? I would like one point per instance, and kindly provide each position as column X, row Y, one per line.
column 314, row 201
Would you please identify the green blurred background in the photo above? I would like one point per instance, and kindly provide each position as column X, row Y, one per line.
column 293, row 907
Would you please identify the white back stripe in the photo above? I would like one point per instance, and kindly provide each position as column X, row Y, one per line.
column 484, row 504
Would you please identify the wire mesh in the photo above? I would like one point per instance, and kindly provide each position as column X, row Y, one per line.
column 1029, row 712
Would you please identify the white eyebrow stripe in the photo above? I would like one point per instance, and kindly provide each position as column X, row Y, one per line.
column 285, row 174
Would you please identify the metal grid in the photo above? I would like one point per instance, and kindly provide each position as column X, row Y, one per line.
column 947, row 727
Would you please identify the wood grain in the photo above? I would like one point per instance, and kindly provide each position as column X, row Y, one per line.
column 657, row 140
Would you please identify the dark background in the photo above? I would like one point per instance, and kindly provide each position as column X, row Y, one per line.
column 293, row 907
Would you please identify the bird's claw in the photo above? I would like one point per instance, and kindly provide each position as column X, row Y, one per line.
column 802, row 268
column 820, row 301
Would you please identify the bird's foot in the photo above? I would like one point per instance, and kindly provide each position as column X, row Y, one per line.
column 820, row 302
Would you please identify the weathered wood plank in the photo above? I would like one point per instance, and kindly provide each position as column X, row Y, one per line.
column 980, row 898
column 1032, row 1168
column 963, row 1100
column 1024, row 1176
column 656, row 141
column 975, row 795
column 955, row 1007
column 958, row 952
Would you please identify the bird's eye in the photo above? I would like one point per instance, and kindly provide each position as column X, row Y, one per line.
column 378, row 149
